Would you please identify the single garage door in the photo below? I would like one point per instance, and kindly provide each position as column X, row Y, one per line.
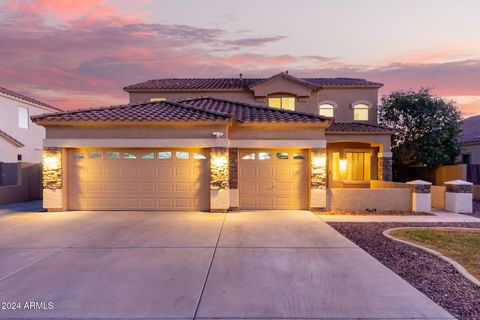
column 138, row 179
column 273, row 179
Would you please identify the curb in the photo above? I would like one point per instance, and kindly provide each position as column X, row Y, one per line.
column 454, row 263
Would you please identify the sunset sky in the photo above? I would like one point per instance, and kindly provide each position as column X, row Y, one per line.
column 82, row 53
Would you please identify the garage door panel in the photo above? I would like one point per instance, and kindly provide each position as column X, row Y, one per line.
column 114, row 182
column 277, row 182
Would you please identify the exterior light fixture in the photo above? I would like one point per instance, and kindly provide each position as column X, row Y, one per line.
column 319, row 161
column 342, row 164
column 219, row 161
column 51, row 162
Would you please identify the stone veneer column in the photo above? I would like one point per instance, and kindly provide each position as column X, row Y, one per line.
column 54, row 186
column 318, row 179
column 233, row 178
column 385, row 166
column 219, row 180
column 421, row 196
column 458, row 196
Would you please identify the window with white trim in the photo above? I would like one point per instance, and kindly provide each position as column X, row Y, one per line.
column 326, row 109
column 360, row 111
column 22, row 117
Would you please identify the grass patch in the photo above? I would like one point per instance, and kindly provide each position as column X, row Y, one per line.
column 461, row 245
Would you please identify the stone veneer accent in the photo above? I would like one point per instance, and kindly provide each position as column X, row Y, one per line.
column 455, row 188
column 219, row 175
column 385, row 169
column 233, row 168
column 52, row 178
column 421, row 188
column 318, row 178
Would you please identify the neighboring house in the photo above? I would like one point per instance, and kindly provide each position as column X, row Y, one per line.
column 471, row 140
column 254, row 144
column 20, row 139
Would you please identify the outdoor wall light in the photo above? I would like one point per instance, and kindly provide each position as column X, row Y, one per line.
column 342, row 164
column 51, row 162
column 319, row 161
column 219, row 161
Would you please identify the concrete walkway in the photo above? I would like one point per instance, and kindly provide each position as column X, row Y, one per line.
column 439, row 216
column 186, row 265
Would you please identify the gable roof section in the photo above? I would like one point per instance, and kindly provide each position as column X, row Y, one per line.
column 471, row 130
column 17, row 95
column 285, row 76
column 11, row 139
column 355, row 127
column 243, row 83
column 147, row 111
column 243, row 112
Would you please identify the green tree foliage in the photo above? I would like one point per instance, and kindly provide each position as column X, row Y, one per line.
column 427, row 128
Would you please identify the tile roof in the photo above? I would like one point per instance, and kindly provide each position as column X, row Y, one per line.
column 248, row 112
column 146, row 111
column 27, row 99
column 471, row 130
column 242, row 83
column 343, row 127
column 11, row 139
column 204, row 108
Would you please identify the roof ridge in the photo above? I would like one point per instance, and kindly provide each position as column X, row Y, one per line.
column 169, row 102
column 258, row 107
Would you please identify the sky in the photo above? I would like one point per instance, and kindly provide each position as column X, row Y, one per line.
column 75, row 54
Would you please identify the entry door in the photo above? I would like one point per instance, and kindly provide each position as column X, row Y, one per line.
column 138, row 179
column 273, row 179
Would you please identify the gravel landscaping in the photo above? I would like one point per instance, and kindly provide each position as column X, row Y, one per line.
column 374, row 213
column 434, row 277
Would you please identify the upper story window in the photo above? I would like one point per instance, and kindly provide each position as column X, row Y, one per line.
column 326, row 109
column 157, row 99
column 287, row 103
column 22, row 117
column 360, row 111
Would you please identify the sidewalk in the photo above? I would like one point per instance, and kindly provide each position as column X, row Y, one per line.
column 439, row 216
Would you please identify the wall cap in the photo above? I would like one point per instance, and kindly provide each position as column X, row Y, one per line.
column 419, row 182
column 459, row 183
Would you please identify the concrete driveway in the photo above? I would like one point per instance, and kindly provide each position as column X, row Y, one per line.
column 166, row 265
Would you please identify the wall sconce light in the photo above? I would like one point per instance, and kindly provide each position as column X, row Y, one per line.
column 51, row 162
column 342, row 164
column 319, row 161
column 219, row 161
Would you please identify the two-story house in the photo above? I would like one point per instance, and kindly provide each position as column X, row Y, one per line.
column 20, row 139
column 217, row 144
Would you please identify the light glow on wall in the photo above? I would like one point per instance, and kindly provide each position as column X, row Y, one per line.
column 219, row 161
column 342, row 165
column 51, row 162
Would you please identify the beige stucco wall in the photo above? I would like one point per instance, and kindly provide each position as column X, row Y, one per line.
column 360, row 199
column 29, row 189
column 343, row 97
column 474, row 151
column 376, row 184
column 438, row 197
column 32, row 137
column 276, row 133
column 378, row 140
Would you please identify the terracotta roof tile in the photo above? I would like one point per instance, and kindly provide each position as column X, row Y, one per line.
column 147, row 111
column 344, row 127
column 242, row 83
column 28, row 99
column 248, row 112
column 11, row 139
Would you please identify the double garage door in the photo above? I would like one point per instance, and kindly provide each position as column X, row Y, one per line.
column 179, row 179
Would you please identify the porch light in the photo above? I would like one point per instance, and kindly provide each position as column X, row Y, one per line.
column 342, row 164
column 219, row 161
column 51, row 162
column 319, row 161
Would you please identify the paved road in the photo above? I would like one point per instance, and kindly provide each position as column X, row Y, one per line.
column 164, row 265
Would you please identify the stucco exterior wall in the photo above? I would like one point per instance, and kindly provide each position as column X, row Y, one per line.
column 29, row 189
column 380, row 140
column 361, row 199
column 449, row 173
column 438, row 197
column 32, row 137
column 275, row 133
column 308, row 99
column 376, row 184
column 474, row 151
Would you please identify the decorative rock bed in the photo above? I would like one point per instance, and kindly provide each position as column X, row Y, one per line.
column 375, row 213
column 436, row 278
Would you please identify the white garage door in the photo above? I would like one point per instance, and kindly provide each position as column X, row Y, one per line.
column 138, row 179
column 273, row 179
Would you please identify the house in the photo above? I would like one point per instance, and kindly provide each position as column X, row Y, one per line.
column 471, row 140
column 20, row 139
column 217, row 144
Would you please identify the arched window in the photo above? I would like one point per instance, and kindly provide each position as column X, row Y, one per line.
column 326, row 109
column 360, row 111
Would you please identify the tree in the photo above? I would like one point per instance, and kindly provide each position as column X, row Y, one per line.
column 427, row 128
